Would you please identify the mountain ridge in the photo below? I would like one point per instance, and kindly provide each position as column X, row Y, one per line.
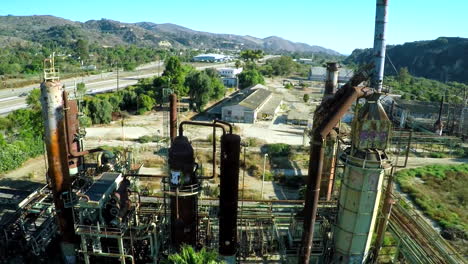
column 112, row 32
column 444, row 59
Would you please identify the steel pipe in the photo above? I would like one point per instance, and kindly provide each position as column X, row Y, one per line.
column 72, row 151
column 379, row 44
column 173, row 116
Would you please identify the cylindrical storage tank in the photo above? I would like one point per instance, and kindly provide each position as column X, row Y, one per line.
column 184, row 200
column 229, row 187
column 358, row 205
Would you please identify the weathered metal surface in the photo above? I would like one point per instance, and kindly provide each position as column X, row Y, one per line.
column 328, row 170
column 173, row 116
column 57, row 154
column 331, row 81
column 229, row 188
column 379, row 44
column 184, row 219
column 358, row 206
column 371, row 129
column 326, row 117
column 72, row 131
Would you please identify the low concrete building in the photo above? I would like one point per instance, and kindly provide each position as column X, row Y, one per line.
column 299, row 114
column 251, row 105
column 319, row 74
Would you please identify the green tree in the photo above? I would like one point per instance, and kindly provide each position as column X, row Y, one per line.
column 249, row 78
column 81, row 89
column 33, row 99
column 176, row 73
column 251, row 55
column 200, row 91
column 82, row 49
column 283, row 65
column 306, row 98
column 404, row 76
column 100, row 111
column 159, row 83
column 145, row 103
column 218, row 88
column 238, row 64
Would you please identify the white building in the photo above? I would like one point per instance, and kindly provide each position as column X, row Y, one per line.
column 229, row 72
column 211, row 58
column 229, row 76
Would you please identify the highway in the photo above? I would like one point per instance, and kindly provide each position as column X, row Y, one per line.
column 14, row 99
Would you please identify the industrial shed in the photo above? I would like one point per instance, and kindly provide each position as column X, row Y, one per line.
column 259, row 103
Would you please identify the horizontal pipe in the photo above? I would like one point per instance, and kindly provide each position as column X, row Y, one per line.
column 146, row 175
column 197, row 123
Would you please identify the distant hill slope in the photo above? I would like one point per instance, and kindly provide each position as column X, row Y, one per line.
column 443, row 59
column 109, row 32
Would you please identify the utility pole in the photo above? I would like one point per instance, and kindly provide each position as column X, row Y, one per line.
column 263, row 177
column 117, row 77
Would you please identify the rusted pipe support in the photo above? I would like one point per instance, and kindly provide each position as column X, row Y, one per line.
column 145, row 175
column 197, row 123
column 224, row 123
column 173, row 116
column 327, row 115
column 71, row 152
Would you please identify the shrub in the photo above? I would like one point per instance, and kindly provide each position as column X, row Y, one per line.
column 279, row 149
column 437, row 155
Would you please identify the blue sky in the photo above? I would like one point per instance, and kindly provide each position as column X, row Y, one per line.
column 342, row 25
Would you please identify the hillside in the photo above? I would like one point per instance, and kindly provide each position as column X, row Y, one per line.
column 110, row 33
column 443, row 59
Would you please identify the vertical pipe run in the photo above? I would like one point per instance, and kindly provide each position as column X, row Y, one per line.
column 173, row 116
column 72, row 124
column 379, row 44
column 386, row 210
column 312, row 196
column 329, row 164
column 57, row 155
column 229, row 188
column 438, row 125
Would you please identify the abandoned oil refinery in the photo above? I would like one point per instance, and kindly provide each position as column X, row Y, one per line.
column 93, row 209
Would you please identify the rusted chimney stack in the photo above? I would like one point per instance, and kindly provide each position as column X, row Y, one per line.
column 57, row 157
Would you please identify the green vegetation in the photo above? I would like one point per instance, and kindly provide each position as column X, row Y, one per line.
column 442, row 59
column 306, row 98
column 203, row 87
column 440, row 191
column 250, row 77
column 251, row 55
column 422, row 89
column 21, row 134
column 188, row 255
column 279, row 149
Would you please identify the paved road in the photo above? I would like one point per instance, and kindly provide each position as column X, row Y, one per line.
column 14, row 99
